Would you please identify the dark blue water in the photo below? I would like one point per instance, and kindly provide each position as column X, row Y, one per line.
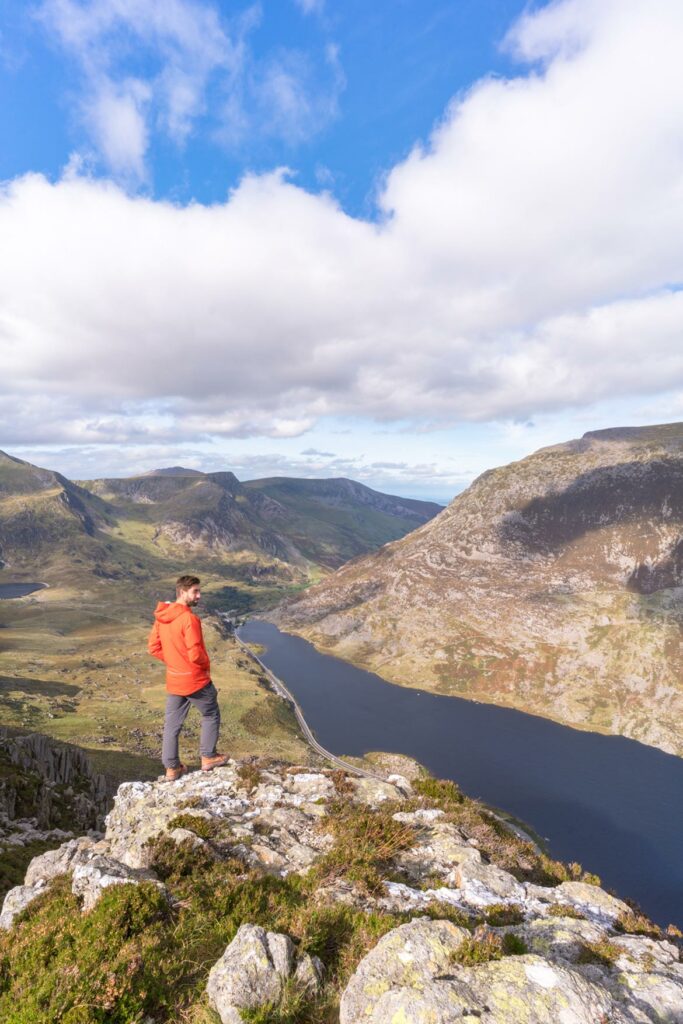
column 8, row 590
column 612, row 804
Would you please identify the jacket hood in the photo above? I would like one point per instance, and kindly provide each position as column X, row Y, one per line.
column 167, row 611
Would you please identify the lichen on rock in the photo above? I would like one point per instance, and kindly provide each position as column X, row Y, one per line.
column 306, row 892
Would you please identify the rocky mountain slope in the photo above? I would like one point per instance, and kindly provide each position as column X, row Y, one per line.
column 331, row 521
column 48, row 793
column 46, row 520
column 267, row 892
column 137, row 527
column 552, row 585
column 300, row 522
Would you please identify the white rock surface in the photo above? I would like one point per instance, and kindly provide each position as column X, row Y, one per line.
column 253, row 970
column 16, row 900
column 99, row 873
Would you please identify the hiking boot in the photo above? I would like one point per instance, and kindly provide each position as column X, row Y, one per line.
column 172, row 774
column 216, row 761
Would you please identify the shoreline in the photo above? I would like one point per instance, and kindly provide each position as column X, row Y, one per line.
column 514, row 825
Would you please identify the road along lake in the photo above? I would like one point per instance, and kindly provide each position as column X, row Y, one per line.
column 612, row 804
column 8, row 590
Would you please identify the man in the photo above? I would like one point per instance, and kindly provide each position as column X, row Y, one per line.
column 176, row 639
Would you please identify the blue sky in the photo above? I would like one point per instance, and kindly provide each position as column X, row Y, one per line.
column 399, row 241
column 367, row 80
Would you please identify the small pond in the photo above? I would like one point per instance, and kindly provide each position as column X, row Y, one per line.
column 8, row 590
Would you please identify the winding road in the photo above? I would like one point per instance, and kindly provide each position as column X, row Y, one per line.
column 281, row 690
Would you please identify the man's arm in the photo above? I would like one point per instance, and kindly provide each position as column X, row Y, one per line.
column 154, row 643
column 194, row 640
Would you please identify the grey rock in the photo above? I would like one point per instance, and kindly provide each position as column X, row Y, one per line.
column 516, row 990
column 439, row 848
column 16, row 900
column 407, row 957
column 483, row 885
column 558, row 938
column 61, row 861
column 374, row 792
column 591, row 900
column 251, row 972
column 99, row 873
column 309, row 973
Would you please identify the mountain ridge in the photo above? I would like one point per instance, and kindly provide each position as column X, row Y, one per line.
column 552, row 584
column 128, row 526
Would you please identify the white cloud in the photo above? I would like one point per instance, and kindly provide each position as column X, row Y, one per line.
column 310, row 6
column 184, row 42
column 527, row 260
column 182, row 47
column 119, row 127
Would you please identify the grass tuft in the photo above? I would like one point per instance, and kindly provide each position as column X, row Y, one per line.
column 481, row 950
column 604, row 953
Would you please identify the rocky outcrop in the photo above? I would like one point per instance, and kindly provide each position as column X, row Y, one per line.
column 254, row 970
column 473, row 941
column 415, row 974
column 48, row 783
column 553, row 585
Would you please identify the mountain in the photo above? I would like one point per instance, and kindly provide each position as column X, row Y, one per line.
column 301, row 523
column 173, row 471
column 331, row 521
column 210, row 514
column 552, row 585
column 48, row 523
column 140, row 527
column 283, row 893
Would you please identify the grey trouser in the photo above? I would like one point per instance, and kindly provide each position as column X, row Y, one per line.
column 177, row 707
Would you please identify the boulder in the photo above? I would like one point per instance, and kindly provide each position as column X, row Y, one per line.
column 309, row 973
column 408, row 957
column 483, row 885
column 590, row 900
column 61, row 861
column 16, row 900
column 374, row 792
column 439, row 848
column 99, row 873
column 143, row 810
column 251, row 972
column 515, row 990
column 558, row 938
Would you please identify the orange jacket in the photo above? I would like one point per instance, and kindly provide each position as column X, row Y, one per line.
column 176, row 639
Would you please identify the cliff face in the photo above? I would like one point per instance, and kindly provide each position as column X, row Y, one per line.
column 552, row 585
column 275, row 893
column 48, row 793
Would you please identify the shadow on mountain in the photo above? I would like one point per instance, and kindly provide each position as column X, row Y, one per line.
column 45, row 687
column 609, row 496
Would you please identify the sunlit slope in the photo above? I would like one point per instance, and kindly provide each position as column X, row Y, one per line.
column 331, row 521
column 552, row 584
column 48, row 525
column 295, row 525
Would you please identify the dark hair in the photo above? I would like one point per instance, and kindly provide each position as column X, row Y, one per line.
column 184, row 583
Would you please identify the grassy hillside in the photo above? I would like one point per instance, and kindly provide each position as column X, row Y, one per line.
column 74, row 665
column 332, row 521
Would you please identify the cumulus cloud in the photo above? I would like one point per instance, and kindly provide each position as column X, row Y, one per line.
column 526, row 259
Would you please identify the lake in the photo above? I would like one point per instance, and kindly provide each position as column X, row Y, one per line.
column 8, row 590
column 610, row 803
